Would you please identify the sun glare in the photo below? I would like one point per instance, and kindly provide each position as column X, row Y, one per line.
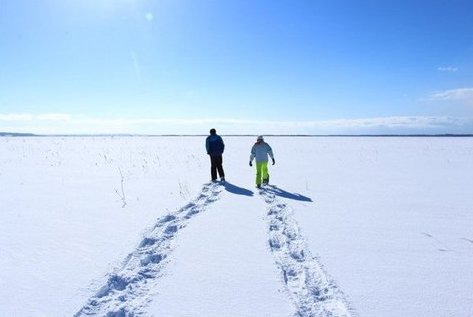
column 149, row 16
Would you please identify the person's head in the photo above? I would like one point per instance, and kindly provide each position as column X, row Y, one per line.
column 213, row 131
column 259, row 139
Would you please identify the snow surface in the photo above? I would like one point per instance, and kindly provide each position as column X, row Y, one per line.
column 124, row 226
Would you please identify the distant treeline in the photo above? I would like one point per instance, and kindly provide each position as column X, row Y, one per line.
column 16, row 134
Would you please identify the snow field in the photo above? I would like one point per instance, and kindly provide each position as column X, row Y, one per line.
column 379, row 226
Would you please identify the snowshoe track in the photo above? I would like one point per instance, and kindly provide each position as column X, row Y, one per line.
column 312, row 291
column 126, row 292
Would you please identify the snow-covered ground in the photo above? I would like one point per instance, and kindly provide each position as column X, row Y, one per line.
column 123, row 226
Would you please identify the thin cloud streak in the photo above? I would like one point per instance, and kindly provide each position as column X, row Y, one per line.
column 447, row 69
column 460, row 94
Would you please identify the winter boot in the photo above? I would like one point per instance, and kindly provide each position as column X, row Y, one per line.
column 266, row 181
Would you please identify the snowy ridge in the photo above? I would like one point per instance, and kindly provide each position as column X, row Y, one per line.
column 312, row 291
column 126, row 292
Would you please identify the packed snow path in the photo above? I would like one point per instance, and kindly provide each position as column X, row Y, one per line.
column 311, row 290
column 127, row 291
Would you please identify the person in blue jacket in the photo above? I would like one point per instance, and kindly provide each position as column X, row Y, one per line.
column 215, row 146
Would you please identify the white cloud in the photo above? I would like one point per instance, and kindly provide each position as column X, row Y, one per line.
column 80, row 124
column 453, row 94
column 447, row 69
column 53, row 117
column 16, row 117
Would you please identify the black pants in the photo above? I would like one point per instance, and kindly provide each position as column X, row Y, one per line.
column 216, row 165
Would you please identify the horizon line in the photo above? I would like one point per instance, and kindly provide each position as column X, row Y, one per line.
column 16, row 134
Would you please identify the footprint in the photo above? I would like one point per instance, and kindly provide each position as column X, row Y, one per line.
column 171, row 229
column 275, row 243
column 152, row 258
column 147, row 242
column 167, row 218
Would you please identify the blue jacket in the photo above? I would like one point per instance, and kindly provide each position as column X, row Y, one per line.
column 214, row 145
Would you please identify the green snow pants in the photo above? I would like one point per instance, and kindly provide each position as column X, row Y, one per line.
column 261, row 172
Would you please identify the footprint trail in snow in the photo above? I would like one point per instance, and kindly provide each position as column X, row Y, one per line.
column 127, row 290
column 314, row 294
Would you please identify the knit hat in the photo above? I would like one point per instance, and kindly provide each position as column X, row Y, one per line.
column 260, row 137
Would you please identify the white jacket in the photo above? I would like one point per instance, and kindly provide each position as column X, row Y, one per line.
column 260, row 152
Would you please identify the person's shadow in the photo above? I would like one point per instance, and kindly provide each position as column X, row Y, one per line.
column 229, row 187
column 282, row 193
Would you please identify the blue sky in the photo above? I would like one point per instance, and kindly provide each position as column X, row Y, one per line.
column 172, row 66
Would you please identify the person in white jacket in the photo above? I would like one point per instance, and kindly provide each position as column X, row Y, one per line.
column 260, row 152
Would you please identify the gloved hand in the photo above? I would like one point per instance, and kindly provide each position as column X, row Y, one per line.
column 274, row 162
column 251, row 163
